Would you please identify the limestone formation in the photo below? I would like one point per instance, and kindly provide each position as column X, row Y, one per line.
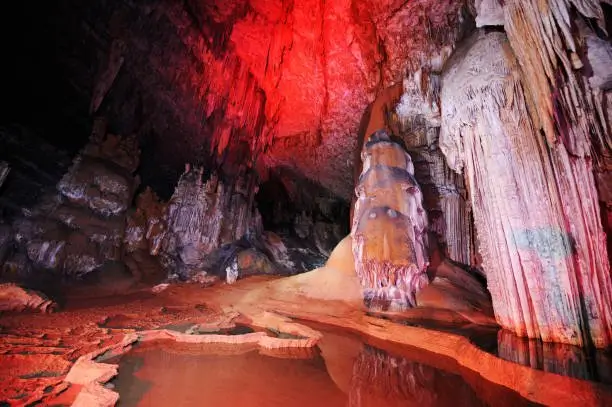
column 566, row 360
column 145, row 225
column 16, row 298
column 539, row 230
column 79, row 229
column 417, row 121
column 204, row 215
column 389, row 226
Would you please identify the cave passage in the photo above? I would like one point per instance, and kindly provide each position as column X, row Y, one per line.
column 266, row 202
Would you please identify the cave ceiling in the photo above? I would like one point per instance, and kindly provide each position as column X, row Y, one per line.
column 267, row 84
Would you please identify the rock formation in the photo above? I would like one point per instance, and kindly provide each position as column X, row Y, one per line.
column 539, row 232
column 15, row 298
column 389, row 226
column 285, row 80
column 36, row 166
column 416, row 119
column 202, row 216
column 80, row 228
column 498, row 167
column 145, row 225
column 566, row 360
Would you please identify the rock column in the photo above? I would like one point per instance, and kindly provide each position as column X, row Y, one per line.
column 388, row 230
column 536, row 214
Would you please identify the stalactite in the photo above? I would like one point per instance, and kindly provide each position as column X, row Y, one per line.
column 417, row 120
column 551, row 68
column 4, row 171
column 535, row 208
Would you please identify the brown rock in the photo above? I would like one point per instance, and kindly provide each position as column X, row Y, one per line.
column 389, row 239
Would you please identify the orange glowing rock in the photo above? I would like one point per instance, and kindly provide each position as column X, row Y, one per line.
column 389, row 240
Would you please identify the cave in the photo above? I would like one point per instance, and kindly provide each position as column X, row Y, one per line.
column 333, row 202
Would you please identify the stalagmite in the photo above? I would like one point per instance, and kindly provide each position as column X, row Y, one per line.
column 535, row 209
column 389, row 239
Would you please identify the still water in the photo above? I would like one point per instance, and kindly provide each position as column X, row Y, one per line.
column 342, row 371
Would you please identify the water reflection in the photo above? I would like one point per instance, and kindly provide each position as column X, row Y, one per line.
column 567, row 360
column 380, row 379
column 345, row 372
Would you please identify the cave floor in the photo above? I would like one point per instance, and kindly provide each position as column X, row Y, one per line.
column 37, row 351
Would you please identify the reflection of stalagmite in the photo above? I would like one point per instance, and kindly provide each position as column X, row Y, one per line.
column 389, row 240
column 382, row 379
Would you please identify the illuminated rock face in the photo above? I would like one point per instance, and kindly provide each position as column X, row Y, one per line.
column 539, row 233
column 272, row 83
column 389, row 239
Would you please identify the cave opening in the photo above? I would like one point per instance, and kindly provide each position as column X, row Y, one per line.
column 249, row 183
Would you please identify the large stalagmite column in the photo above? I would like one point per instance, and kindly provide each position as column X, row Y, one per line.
column 538, row 228
column 388, row 231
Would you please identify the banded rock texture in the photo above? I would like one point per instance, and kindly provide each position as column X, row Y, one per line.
column 559, row 358
column 388, row 228
column 15, row 298
column 567, row 69
column 535, row 210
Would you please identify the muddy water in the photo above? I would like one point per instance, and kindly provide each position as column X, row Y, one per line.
column 343, row 371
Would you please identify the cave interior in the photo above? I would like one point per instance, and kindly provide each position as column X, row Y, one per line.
column 378, row 186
